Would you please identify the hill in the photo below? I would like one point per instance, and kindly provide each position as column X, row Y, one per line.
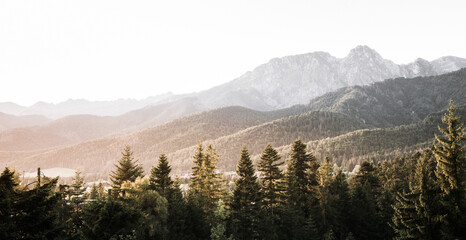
column 80, row 128
column 8, row 121
column 394, row 105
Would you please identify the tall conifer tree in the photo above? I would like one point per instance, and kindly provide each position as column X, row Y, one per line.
column 298, row 177
column 160, row 179
column 245, row 206
column 206, row 186
column 127, row 169
column 451, row 167
column 416, row 214
column 271, row 177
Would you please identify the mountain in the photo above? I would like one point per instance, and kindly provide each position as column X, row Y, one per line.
column 286, row 81
column 395, row 102
column 79, row 128
column 169, row 137
column 10, row 121
column 388, row 106
column 279, row 83
column 85, row 107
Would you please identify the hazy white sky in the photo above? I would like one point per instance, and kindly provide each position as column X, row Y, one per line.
column 104, row 50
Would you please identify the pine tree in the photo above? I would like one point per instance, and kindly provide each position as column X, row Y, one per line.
column 213, row 180
column 178, row 227
column 37, row 216
column 206, row 187
column 197, row 175
column 245, row 205
column 416, row 213
column 75, row 201
column 364, row 219
column 339, row 216
column 325, row 176
column 272, row 191
column 271, row 177
column 127, row 169
column 160, row 179
column 298, row 177
column 7, row 198
column 451, row 167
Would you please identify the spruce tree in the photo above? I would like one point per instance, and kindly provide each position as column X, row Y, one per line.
column 178, row 227
column 37, row 213
column 197, row 175
column 271, row 177
column 451, row 167
column 325, row 176
column 245, row 205
column 206, row 186
column 363, row 211
column 213, row 181
column 416, row 213
column 339, row 216
column 7, row 199
column 75, row 201
column 160, row 179
column 272, row 191
column 298, row 177
column 127, row 169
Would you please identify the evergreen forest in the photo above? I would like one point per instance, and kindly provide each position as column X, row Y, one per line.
column 421, row 195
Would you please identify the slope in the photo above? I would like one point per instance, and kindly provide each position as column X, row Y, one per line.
column 79, row 128
column 386, row 104
column 8, row 121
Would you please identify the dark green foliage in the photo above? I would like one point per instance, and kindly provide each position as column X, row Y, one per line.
column 7, row 198
column 179, row 226
column 160, row 179
column 364, row 222
column 109, row 218
column 338, row 214
column 154, row 213
column 218, row 229
column 36, row 213
column 300, row 177
column 416, row 213
column 127, row 169
column 271, row 177
column 206, row 186
column 325, row 178
column 417, row 197
column 245, row 205
column 73, row 200
column 367, row 174
column 451, row 173
column 272, row 191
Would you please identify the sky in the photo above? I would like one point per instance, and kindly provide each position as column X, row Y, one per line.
column 57, row 50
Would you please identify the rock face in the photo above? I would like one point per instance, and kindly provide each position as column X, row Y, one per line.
column 280, row 83
column 291, row 80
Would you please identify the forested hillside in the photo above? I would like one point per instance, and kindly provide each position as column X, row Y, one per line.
column 417, row 196
column 394, row 106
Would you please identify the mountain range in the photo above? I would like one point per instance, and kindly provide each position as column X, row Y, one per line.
column 279, row 83
column 392, row 116
column 328, row 102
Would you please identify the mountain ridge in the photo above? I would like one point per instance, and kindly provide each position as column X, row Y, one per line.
column 279, row 83
column 424, row 95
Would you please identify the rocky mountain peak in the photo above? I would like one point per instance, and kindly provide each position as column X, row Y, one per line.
column 363, row 51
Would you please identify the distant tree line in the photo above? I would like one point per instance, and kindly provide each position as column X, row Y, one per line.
column 417, row 197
